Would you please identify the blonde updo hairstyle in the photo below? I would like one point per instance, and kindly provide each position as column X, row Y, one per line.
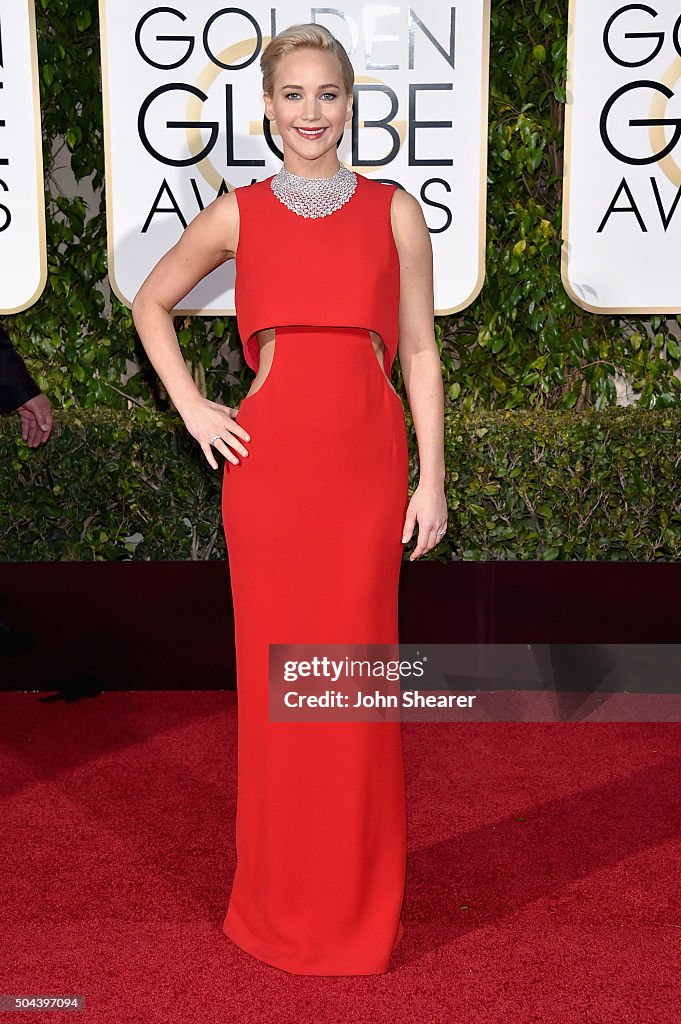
column 296, row 37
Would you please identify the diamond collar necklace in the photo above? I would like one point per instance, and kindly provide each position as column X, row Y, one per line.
column 314, row 197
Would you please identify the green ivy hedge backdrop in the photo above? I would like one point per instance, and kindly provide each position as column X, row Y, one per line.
column 515, row 362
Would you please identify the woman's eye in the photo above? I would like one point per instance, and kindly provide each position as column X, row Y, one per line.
column 327, row 95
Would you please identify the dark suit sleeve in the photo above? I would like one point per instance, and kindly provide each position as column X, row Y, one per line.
column 16, row 384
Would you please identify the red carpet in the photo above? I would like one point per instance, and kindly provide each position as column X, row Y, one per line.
column 543, row 877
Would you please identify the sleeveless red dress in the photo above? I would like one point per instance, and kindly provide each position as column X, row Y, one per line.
column 313, row 521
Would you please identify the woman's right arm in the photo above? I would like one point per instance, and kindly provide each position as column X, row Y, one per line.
column 208, row 241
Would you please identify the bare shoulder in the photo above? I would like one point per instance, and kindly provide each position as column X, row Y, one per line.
column 221, row 219
column 409, row 225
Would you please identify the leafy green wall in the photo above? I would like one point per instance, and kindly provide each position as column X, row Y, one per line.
column 543, row 485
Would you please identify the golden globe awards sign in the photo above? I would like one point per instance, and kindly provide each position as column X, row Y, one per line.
column 23, row 253
column 622, row 182
column 183, row 120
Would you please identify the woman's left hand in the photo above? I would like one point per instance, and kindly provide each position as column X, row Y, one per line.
column 428, row 507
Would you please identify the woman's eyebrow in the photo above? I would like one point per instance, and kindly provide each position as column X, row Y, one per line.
column 325, row 86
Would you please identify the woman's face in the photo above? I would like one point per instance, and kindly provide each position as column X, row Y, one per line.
column 310, row 106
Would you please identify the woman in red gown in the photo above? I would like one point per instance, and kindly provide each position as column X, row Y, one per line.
column 333, row 269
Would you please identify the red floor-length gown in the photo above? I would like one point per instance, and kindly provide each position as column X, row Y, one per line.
column 313, row 520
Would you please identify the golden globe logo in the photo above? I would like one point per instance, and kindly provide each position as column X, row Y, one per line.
column 661, row 91
column 622, row 181
column 184, row 122
column 23, row 250
column 172, row 51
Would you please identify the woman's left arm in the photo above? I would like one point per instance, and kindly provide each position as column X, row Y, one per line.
column 420, row 364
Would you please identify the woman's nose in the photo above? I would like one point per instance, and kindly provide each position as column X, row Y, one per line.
column 311, row 109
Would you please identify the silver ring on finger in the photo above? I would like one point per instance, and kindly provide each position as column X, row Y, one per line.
column 214, row 438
